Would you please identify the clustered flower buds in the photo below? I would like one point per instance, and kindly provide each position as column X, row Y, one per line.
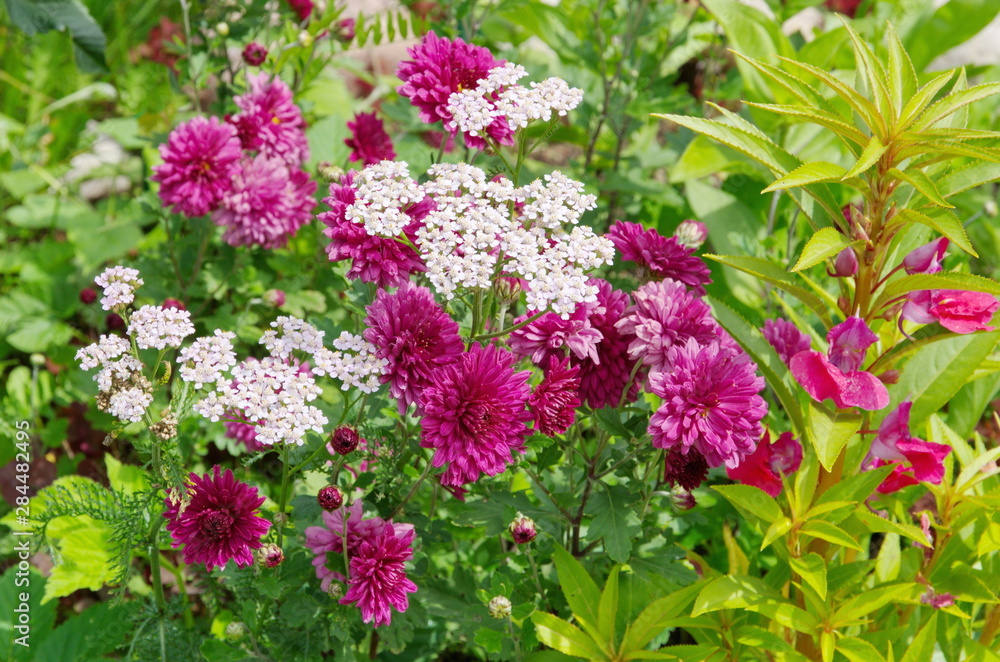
column 523, row 529
column 499, row 607
column 330, row 498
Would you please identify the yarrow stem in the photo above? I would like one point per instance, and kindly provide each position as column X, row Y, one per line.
column 488, row 336
column 284, row 492
column 413, row 490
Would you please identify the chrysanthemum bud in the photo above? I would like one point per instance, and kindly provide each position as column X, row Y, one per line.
column 330, row 498
column 499, row 607
column 691, row 233
column 235, row 631
column 508, row 289
column 222, row 29
column 114, row 322
column 846, row 264
column 344, row 440
column 305, row 39
column 88, row 296
column 523, row 529
column 254, row 54
column 336, row 590
column 270, row 555
column 682, row 499
column 345, row 30
column 173, row 303
column 275, row 298
column 329, row 172
column 279, row 519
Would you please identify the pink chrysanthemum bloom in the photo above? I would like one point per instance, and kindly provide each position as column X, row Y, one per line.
column 440, row 67
column 369, row 142
column 378, row 576
column 921, row 461
column 330, row 537
column 711, row 403
column 415, row 336
column 765, row 466
column 785, row 338
column 602, row 381
column 475, row 414
column 271, row 123
column 200, row 159
column 555, row 399
column 267, row 205
column 665, row 315
column 384, row 261
column 219, row 523
column 664, row 257
column 549, row 335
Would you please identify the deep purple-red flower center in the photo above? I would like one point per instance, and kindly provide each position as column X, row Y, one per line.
column 217, row 524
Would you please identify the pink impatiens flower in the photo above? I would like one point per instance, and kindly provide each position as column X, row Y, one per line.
column 200, row 159
column 369, row 142
column 959, row 311
column 663, row 257
column 927, row 258
column 765, row 466
column 923, row 461
column 837, row 376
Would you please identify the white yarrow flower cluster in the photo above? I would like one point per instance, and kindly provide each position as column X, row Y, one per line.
column 207, row 359
column 159, row 328
column 119, row 284
column 103, row 351
column 130, row 404
column 383, row 191
column 354, row 363
column 292, row 334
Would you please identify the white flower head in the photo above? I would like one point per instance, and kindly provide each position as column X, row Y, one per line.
column 119, row 284
column 383, row 191
column 157, row 327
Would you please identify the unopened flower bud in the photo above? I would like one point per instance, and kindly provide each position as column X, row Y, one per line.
column 173, row 303
column 499, row 607
column 329, row 172
column 305, row 39
column 330, row 498
column 88, row 296
column 682, row 499
column 345, row 30
column 254, row 54
column 691, row 233
column 275, row 298
column 235, row 631
column 344, row 440
column 889, row 377
column 336, row 590
column 523, row 529
column 279, row 519
column 990, row 208
column 927, row 258
column 508, row 289
column 114, row 322
column 270, row 555
column 846, row 264
column 222, row 29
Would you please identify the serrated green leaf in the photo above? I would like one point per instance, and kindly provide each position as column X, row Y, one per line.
column 972, row 472
column 39, row 16
column 874, row 599
column 752, row 594
column 83, row 555
column 870, row 67
column 972, row 175
column 954, row 102
column 865, row 108
column 808, row 173
column 858, row 650
column 872, row 153
column 967, row 584
column 812, row 570
column 855, row 488
column 920, row 181
column 812, row 115
column 778, row 528
column 945, row 223
column 874, row 523
column 616, row 524
column 922, row 647
column 580, row 590
column 902, row 75
column 490, row 639
column 762, row 150
column 830, row 433
column 656, row 617
column 775, row 275
column 938, row 281
column 826, row 242
column 933, row 151
column 922, row 98
column 831, row 533
column 752, row 500
column 796, row 86
column 565, row 637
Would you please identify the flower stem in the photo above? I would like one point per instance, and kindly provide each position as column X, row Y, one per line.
column 413, row 490
column 488, row 336
column 284, row 493
column 513, row 637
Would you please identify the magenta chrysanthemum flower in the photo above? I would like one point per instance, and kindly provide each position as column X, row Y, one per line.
column 200, row 159
column 711, row 403
column 415, row 336
column 550, row 334
column 271, row 123
column 664, row 257
column 374, row 259
column 785, row 338
column 664, row 315
column 555, row 399
column 440, row 67
column 219, row 523
column 602, row 381
column 685, row 469
column 475, row 414
column 378, row 576
column 369, row 142
column 267, row 205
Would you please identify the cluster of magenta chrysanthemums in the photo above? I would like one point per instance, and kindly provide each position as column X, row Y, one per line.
column 245, row 170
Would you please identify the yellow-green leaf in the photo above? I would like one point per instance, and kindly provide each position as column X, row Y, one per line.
column 808, row 173
column 812, row 570
column 565, row 637
column 607, row 610
column 972, row 175
column 946, row 223
column 918, row 102
column 827, row 242
column 772, row 273
column 920, row 181
column 954, row 102
column 861, row 105
column 830, row 533
column 829, row 120
column 829, row 433
column 869, row 157
column 902, row 75
column 752, row 500
column 778, row 528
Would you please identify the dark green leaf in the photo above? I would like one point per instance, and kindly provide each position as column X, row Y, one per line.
column 615, row 523
column 39, row 16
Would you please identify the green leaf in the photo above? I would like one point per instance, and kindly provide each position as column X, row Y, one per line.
column 922, row 647
column 490, row 639
column 125, row 478
column 966, row 584
column 39, row 16
column 858, row 650
column 83, row 552
column 752, row 500
column 825, row 243
column 874, row 599
column 948, row 26
column 945, row 223
column 760, row 351
column 607, row 610
column 580, row 590
column 855, row 488
column 830, row 533
column 872, row 153
column 922, row 98
column 808, row 173
column 752, row 594
column 902, row 75
column 780, row 527
column 953, row 102
column 939, row 281
column 772, row 273
column 801, row 90
column 761, row 150
column 812, row 570
column 936, row 372
column 972, row 175
column 565, row 637
column 830, row 433
column 615, row 523
column 972, row 472
column 862, row 106
column 874, row 522
column 656, row 617
column 828, row 120
column 920, row 181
